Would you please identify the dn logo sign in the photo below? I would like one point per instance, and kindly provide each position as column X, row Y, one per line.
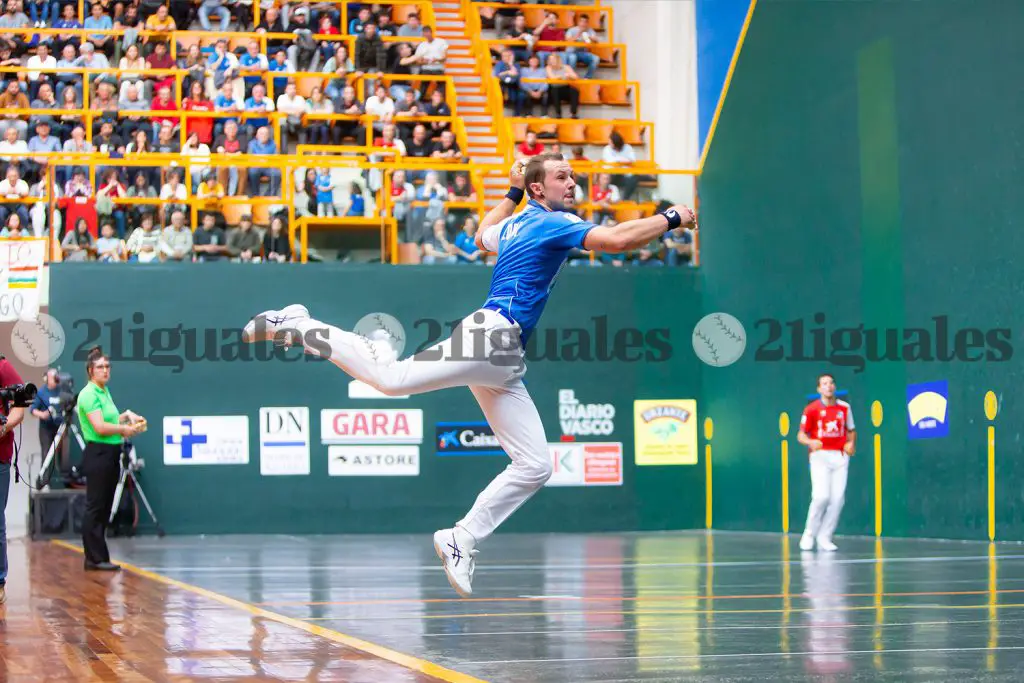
column 284, row 421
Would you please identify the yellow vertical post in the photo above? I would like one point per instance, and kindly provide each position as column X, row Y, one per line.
column 876, row 633
column 993, row 609
column 709, row 430
column 787, row 601
column 991, row 408
column 876, row 420
column 784, row 432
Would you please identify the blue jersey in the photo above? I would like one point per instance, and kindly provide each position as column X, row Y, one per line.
column 532, row 249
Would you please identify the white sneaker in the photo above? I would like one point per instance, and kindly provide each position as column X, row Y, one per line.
column 826, row 545
column 267, row 324
column 806, row 542
column 455, row 548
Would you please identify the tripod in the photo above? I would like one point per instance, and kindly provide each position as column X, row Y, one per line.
column 44, row 474
column 129, row 465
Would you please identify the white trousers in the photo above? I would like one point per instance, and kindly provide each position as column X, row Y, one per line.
column 484, row 354
column 828, row 491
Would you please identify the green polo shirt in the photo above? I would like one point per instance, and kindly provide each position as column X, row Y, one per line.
column 91, row 399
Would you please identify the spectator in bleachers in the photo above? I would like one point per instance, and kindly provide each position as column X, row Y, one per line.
column 389, row 139
column 438, row 107
column 12, row 144
column 161, row 22
column 107, row 206
column 14, row 98
column 530, row 147
column 243, row 242
column 40, row 60
column 319, row 129
column 403, row 64
column 139, row 143
column 536, row 93
column 77, row 142
column 98, row 20
column 12, row 187
column 604, row 195
column 259, row 102
column 77, row 244
column 104, row 100
column 39, row 213
column 109, row 247
column 176, row 239
column 167, row 140
column 326, row 27
column 339, row 65
column 226, row 102
column 211, row 191
column 68, row 60
column 195, row 147
column 402, row 194
column 160, row 58
column 460, row 191
column 618, row 152
column 194, row 63
column 356, row 205
column 465, row 247
column 371, row 56
column 500, row 17
column 293, row 105
column 42, row 142
column 548, row 31
column 144, row 243
column 431, row 55
column 303, row 53
column 7, row 56
column 69, row 100
column 519, row 31
column 582, row 33
column 201, row 126
column 68, row 20
column 420, row 145
column 349, row 105
column 305, row 194
column 262, row 144
column 436, row 247
column 164, row 102
column 131, row 65
column 252, row 60
column 131, row 23
column 435, row 194
column 173, row 194
column 271, row 23
column 208, row 240
column 650, row 254
column 231, row 142
column 381, row 106
column 386, row 29
column 447, row 148
column 279, row 64
column 357, row 24
column 275, row 242
column 216, row 8
column 412, row 28
column 79, row 185
column 679, row 247
column 131, row 100
column 407, row 109
column 507, row 73
column 222, row 67
column 559, row 93
column 325, row 194
column 107, row 141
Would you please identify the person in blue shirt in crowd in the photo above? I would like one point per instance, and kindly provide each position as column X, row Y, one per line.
column 486, row 351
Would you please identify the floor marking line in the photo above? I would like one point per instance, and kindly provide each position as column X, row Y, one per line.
column 718, row 612
column 632, row 598
column 408, row 661
column 734, row 655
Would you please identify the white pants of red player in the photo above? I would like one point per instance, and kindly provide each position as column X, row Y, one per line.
column 828, row 491
column 484, row 355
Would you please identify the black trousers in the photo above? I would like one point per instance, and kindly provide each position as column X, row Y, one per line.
column 101, row 465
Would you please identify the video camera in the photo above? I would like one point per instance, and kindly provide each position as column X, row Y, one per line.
column 66, row 391
column 18, row 395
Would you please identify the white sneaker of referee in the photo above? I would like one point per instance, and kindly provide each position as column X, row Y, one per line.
column 828, row 431
column 488, row 356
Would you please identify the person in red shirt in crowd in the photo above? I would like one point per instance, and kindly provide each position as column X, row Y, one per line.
column 828, row 431
column 164, row 102
column 8, row 376
column 201, row 126
column 530, row 147
column 549, row 31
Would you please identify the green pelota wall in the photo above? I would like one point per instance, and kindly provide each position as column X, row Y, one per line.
column 225, row 499
column 867, row 166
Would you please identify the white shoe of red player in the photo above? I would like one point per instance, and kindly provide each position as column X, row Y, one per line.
column 455, row 548
column 826, row 545
column 806, row 542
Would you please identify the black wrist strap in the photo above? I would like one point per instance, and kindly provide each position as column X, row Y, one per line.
column 674, row 219
column 516, row 194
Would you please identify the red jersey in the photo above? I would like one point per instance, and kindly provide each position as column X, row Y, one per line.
column 8, row 376
column 828, row 424
column 203, row 127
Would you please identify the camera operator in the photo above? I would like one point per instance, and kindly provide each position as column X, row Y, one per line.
column 8, row 376
column 49, row 408
column 104, row 430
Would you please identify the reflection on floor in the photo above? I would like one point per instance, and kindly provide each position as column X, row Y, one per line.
column 685, row 606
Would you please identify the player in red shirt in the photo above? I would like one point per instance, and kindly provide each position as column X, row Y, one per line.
column 8, row 376
column 828, row 431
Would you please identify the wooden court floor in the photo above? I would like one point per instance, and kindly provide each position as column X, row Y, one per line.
column 634, row 607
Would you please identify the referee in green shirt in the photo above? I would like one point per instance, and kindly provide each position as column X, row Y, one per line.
column 104, row 430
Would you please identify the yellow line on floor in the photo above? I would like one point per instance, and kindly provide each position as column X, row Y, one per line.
column 408, row 661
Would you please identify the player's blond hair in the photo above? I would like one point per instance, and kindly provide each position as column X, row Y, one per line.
column 535, row 171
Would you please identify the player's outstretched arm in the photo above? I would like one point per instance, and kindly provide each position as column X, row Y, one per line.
column 634, row 234
column 506, row 207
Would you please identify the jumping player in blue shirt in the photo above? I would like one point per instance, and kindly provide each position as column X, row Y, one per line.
column 532, row 247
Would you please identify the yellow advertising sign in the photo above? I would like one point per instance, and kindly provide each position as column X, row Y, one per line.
column 665, row 432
